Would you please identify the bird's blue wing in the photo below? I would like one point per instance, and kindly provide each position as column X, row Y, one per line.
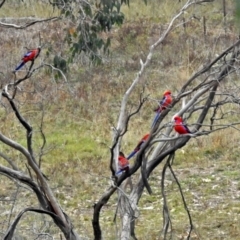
column 28, row 54
column 155, row 119
column 187, row 129
column 163, row 100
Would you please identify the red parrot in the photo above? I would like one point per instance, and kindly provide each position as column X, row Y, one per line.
column 164, row 103
column 123, row 163
column 139, row 145
column 31, row 55
column 179, row 126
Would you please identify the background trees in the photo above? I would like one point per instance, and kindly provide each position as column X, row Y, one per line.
column 71, row 109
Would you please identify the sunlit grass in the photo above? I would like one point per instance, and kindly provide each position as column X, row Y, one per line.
column 155, row 10
column 28, row 8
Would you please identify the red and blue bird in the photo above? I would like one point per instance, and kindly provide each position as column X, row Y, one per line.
column 164, row 104
column 31, row 55
column 179, row 126
column 123, row 163
column 139, row 145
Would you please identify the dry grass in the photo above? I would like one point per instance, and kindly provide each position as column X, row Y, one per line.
column 27, row 8
column 77, row 126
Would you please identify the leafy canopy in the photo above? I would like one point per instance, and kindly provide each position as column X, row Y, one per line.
column 86, row 20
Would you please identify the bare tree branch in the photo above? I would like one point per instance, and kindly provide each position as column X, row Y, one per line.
column 144, row 176
column 116, row 140
column 28, row 74
column 10, row 232
column 166, row 213
column 58, row 70
column 209, row 66
column 39, row 174
column 43, row 138
column 14, row 201
column 9, row 25
column 10, row 161
column 21, row 177
column 1, row 4
column 96, row 213
column 184, row 201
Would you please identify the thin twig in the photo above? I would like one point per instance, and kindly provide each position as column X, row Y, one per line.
column 166, row 213
column 1, row 4
column 184, row 201
column 10, row 25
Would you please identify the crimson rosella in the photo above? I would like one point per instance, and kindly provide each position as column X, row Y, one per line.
column 123, row 163
column 164, row 103
column 31, row 55
column 139, row 145
column 179, row 126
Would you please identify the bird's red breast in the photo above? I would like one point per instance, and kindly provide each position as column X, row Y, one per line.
column 165, row 102
column 123, row 163
column 179, row 126
column 31, row 55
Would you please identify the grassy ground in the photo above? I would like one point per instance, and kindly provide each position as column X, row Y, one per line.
column 78, row 126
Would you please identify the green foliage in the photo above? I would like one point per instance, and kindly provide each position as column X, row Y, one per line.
column 237, row 9
column 91, row 21
column 61, row 64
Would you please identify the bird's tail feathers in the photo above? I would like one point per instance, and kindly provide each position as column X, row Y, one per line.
column 155, row 119
column 131, row 155
column 19, row 66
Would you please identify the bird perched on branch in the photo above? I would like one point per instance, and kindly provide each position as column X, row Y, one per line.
column 139, row 145
column 179, row 126
column 164, row 103
column 123, row 163
column 31, row 55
